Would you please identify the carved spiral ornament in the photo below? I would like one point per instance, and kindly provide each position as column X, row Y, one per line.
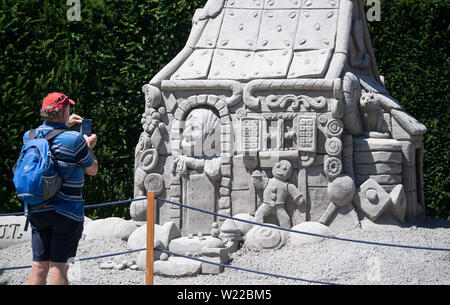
column 154, row 183
column 323, row 119
column 141, row 145
column 314, row 103
column 335, row 128
column 274, row 101
column 318, row 103
column 333, row 146
column 333, row 167
column 149, row 159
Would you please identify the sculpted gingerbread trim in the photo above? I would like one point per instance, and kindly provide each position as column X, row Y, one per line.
column 207, row 85
column 281, row 84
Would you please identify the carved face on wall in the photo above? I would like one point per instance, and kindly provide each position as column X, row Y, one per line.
column 201, row 127
column 282, row 170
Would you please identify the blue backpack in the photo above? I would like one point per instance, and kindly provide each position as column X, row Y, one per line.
column 35, row 177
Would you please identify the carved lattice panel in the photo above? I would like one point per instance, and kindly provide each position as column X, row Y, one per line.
column 251, row 135
column 307, row 133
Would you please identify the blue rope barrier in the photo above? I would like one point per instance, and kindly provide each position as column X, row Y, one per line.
column 192, row 258
column 113, row 203
column 15, row 268
column 223, row 265
column 86, row 207
column 249, row 270
column 257, row 223
column 82, row 259
column 109, row 255
column 306, row 233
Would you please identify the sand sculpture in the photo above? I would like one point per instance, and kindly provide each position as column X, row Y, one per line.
column 267, row 83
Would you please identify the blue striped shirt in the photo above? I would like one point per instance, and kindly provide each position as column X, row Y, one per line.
column 72, row 156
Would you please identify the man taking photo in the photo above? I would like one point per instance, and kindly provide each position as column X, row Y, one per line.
column 56, row 231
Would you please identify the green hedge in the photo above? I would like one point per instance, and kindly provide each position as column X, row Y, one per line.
column 411, row 47
column 103, row 60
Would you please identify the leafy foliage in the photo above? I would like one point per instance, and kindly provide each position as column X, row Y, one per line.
column 103, row 60
column 411, row 46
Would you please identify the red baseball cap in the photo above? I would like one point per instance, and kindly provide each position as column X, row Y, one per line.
column 57, row 101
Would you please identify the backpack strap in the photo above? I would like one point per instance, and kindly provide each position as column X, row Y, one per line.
column 50, row 136
column 53, row 134
column 32, row 134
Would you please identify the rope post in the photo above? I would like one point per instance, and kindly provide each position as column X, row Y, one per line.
column 150, row 237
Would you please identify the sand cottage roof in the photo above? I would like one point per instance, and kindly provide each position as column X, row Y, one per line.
column 314, row 42
column 268, row 39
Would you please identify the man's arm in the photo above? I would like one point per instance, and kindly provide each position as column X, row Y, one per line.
column 93, row 169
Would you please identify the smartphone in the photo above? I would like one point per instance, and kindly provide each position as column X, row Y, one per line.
column 85, row 128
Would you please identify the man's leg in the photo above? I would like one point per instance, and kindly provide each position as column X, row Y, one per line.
column 58, row 273
column 40, row 243
column 66, row 236
column 38, row 273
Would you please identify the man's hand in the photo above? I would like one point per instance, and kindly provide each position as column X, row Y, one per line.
column 74, row 119
column 91, row 140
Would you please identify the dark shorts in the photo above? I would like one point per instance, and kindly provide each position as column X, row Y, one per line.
column 54, row 237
